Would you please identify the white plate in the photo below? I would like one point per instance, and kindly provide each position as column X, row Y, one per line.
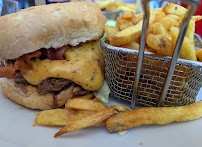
column 16, row 130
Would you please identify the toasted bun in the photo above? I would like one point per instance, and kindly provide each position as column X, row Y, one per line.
column 48, row 26
column 28, row 96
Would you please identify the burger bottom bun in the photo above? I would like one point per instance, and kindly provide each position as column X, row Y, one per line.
column 27, row 95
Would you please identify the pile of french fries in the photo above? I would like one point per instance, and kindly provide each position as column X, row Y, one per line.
column 111, row 5
column 162, row 33
column 80, row 112
column 87, row 111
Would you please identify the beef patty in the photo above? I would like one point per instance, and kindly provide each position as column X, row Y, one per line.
column 51, row 85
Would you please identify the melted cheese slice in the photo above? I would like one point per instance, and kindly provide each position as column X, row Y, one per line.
column 83, row 66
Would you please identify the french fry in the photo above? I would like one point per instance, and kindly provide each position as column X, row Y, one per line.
column 128, row 15
column 191, row 27
column 127, row 35
column 172, row 8
column 167, row 22
column 196, row 18
column 120, row 3
column 103, row 4
column 87, row 122
column 125, row 8
column 110, row 30
column 155, row 115
column 111, row 5
column 199, row 54
column 137, row 18
column 84, row 104
column 153, row 14
column 159, row 43
column 187, row 50
column 174, row 17
column 132, row 45
column 190, row 30
column 60, row 117
column 87, row 96
column 149, row 49
column 120, row 108
column 158, row 28
column 122, row 24
column 92, row 120
column 125, row 20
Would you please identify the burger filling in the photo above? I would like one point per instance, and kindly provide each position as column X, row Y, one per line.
column 51, row 85
column 53, row 70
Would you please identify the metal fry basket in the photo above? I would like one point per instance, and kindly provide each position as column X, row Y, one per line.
column 120, row 71
column 147, row 79
column 112, row 15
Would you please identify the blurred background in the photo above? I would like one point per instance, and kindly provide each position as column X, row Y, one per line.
column 111, row 8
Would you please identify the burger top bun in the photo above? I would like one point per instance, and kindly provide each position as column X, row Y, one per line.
column 47, row 26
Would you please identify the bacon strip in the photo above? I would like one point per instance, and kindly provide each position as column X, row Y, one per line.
column 7, row 71
column 48, row 53
column 24, row 62
column 59, row 53
column 53, row 54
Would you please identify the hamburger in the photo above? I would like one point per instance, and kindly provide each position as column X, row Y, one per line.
column 50, row 54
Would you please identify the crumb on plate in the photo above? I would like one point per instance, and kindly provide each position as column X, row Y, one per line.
column 122, row 132
column 140, row 143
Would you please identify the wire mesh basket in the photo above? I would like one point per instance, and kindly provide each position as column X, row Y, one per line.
column 120, row 70
column 112, row 15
